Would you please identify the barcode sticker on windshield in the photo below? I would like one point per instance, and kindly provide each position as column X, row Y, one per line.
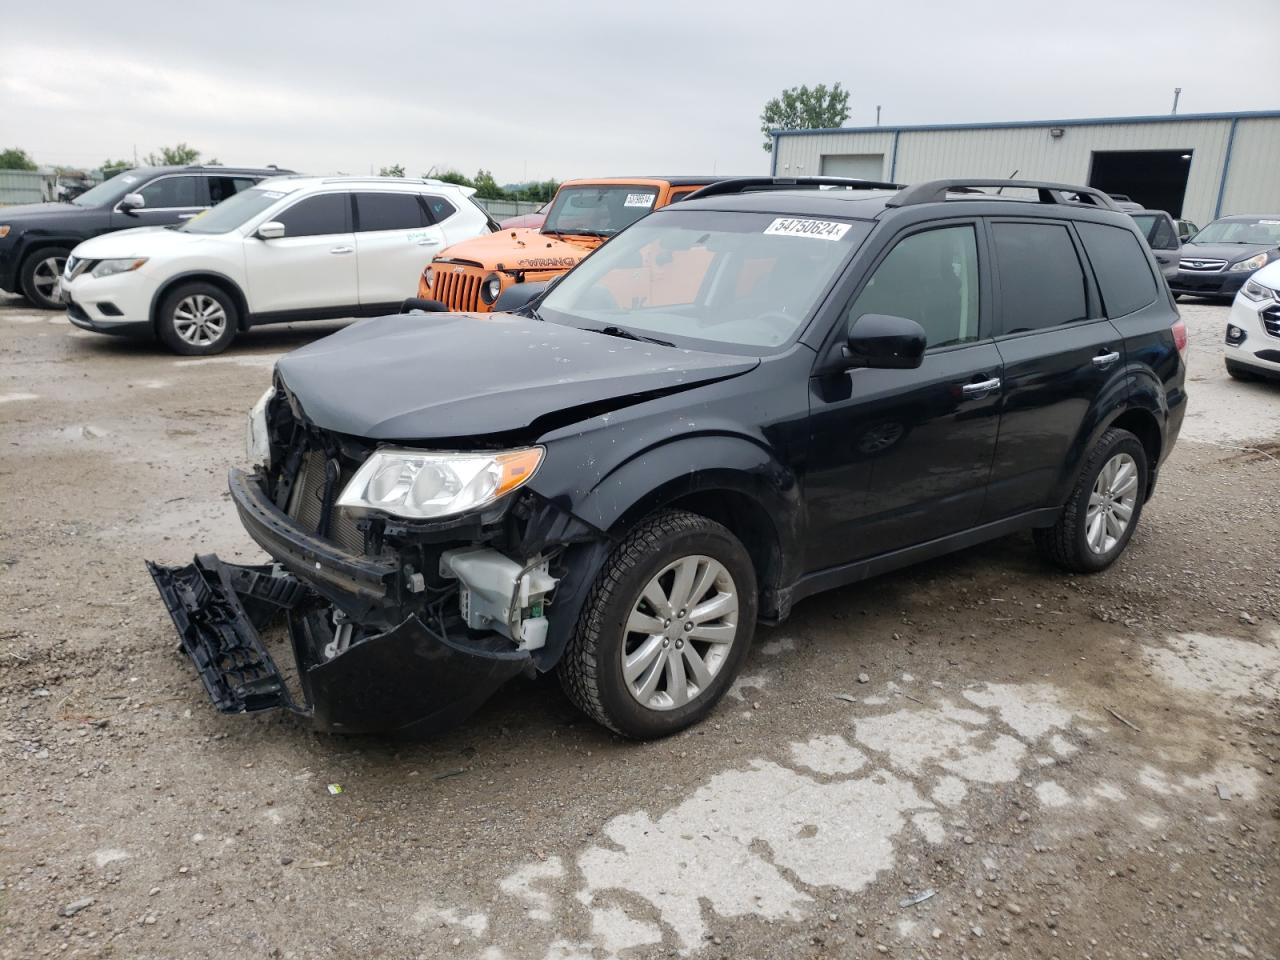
column 794, row 227
column 1270, row 222
column 272, row 194
column 639, row 200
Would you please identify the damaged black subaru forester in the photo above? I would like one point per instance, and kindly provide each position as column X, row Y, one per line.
column 759, row 393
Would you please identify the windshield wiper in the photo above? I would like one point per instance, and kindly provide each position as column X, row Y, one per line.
column 578, row 233
column 626, row 334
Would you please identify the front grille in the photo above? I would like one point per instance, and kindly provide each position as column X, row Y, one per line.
column 1202, row 266
column 1271, row 321
column 457, row 291
column 306, row 504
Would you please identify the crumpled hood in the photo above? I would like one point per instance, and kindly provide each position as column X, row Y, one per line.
column 1230, row 252
column 527, row 250
column 420, row 376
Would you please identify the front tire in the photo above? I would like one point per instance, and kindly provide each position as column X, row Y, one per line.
column 665, row 628
column 39, row 277
column 1104, row 507
column 197, row 320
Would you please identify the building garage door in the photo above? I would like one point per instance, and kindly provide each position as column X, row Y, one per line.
column 861, row 166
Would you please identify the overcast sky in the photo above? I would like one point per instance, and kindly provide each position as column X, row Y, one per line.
column 557, row 89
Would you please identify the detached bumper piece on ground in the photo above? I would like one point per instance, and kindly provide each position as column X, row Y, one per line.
column 412, row 679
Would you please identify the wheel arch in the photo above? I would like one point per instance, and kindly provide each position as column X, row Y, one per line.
column 220, row 280
column 1144, row 419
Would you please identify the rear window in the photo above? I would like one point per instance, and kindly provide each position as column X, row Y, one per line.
column 1041, row 280
column 1123, row 271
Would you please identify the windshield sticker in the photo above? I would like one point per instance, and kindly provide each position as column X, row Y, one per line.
column 129, row 179
column 1272, row 223
column 272, row 194
column 640, row 199
column 793, row 227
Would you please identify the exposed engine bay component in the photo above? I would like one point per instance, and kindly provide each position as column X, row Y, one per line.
column 499, row 594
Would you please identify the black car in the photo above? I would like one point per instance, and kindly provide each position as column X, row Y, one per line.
column 743, row 399
column 36, row 238
column 1223, row 255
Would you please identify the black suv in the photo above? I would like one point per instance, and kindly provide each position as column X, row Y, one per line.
column 762, row 392
column 36, row 238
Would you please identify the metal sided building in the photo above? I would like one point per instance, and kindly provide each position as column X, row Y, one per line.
column 1197, row 166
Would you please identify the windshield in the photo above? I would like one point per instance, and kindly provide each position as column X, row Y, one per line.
column 1241, row 231
column 598, row 211
column 233, row 212
column 745, row 280
column 109, row 191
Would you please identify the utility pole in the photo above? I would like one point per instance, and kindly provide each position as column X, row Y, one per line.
column 1177, row 92
column 877, row 114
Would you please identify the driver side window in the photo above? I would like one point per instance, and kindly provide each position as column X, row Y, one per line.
column 931, row 278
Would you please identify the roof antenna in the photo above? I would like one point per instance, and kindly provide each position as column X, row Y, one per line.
column 1177, row 92
column 1010, row 177
column 877, row 114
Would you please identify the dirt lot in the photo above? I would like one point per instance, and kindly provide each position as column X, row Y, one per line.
column 1053, row 766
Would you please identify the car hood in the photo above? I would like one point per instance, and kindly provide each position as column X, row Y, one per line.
column 140, row 242
column 41, row 211
column 521, row 250
column 415, row 376
column 1230, row 252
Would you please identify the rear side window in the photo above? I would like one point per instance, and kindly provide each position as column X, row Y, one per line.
column 318, row 216
column 220, row 188
column 1042, row 284
column 388, row 211
column 1121, row 266
column 440, row 208
column 931, row 278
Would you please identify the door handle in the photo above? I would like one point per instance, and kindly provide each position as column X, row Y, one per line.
column 428, row 243
column 341, row 249
column 980, row 389
column 185, row 216
column 1104, row 360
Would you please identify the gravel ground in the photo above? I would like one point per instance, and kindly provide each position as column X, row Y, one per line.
column 1052, row 766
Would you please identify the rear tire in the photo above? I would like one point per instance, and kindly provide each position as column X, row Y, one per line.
column 197, row 320
column 39, row 276
column 1103, row 510
column 646, row 671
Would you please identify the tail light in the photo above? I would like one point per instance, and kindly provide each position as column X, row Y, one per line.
column 1180, row 336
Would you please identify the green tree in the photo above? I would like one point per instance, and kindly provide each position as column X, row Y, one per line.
column 111, row 167
column 802, row 108
column 179, row 155
column 450, row 176
column 395, row 170
column 487, row 187
column 16, row 158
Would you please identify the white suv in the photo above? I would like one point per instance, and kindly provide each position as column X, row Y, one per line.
column 1253, row 327
column 291, row 248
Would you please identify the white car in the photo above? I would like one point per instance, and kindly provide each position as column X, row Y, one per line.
column 291, row 248
column 1253, row 327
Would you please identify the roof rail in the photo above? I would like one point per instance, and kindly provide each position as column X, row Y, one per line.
column 753, row 184
column 935, row 191
column 345, row 179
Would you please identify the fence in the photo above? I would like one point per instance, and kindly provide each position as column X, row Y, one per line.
column 499, row 209
column 23, row 186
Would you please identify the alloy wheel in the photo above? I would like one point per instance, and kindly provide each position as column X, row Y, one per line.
column 199, row 319
column 45, row 276
column 680, row 632
column 1111, row 503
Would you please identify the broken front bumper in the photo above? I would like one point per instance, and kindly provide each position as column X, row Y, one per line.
column 411, row 679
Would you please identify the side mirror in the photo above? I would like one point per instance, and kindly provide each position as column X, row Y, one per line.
column 884, row 342
column 271, row 230
column 132, row 201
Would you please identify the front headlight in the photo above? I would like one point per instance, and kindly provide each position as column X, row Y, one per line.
column 428, row 277
column 1253, row 263
column 257, row 444
column 1256, row 291
column 4, row 230
column 419, row 485
column 490, row 289
column 109, row 268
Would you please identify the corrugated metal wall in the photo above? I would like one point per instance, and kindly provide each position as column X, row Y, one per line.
column 1253, row 183
column 22, row 186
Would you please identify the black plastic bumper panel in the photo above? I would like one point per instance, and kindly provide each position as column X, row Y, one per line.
column 220, row 635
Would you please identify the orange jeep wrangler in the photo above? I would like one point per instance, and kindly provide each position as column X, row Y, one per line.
column 470, row 276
